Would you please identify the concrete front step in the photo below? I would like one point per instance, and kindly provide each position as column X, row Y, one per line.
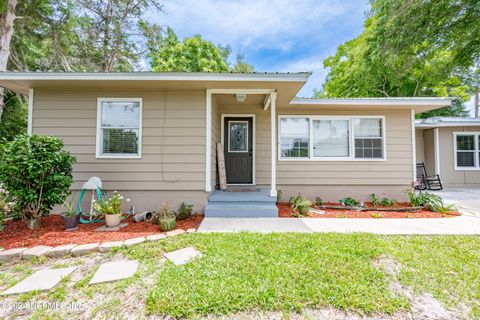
column 262, row 196
column 242, row 210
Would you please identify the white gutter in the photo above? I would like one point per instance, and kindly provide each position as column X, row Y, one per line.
column 396, row 101
column 157, row 76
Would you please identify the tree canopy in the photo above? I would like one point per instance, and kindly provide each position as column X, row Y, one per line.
column 410, row 48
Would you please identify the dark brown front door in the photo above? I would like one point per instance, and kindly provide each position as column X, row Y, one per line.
column 238, row 144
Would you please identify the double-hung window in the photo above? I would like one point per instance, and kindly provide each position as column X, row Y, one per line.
column 332, row 138
column 467, row 151
column 119, row 127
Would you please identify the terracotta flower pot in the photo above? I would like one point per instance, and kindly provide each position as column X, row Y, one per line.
column 113, row 220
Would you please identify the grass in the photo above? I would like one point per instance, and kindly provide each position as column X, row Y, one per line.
column 289, row 273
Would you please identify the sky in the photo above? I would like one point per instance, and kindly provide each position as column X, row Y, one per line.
column 275, row 35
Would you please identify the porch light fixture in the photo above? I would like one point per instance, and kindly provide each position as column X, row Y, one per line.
column 241, row 97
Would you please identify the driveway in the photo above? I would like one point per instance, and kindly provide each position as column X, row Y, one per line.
column 467, row 199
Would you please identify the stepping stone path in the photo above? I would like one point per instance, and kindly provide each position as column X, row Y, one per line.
column 182, row 256
column 106, row 229
column 40, row 280
column 115, row 270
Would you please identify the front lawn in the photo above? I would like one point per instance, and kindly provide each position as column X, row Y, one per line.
column 247, row 273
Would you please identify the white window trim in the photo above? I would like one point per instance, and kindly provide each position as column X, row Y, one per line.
column 99, row 136
column 351, row 156
column 228, row 142
column 476, row 151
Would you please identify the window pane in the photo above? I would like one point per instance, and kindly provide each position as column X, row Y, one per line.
column 365, row 127
column 120, row 141
column 121, row 114
column 368, row 138
column 238, row 134
column 330, row 138
column 294, row 140
column 466, row 142
column 465, row 159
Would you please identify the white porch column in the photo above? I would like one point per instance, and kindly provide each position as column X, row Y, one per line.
column 30, row 112
column 208, row 142
column 414, row 146
column 273, row 124
column 436, row 145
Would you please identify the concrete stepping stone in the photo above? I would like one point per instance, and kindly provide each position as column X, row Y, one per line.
column 156, row 237
column 107, row 229
column 35, row 252
column 115, row 270
column 83, row 249
column 182, row 256
column 40, row 280
column 11, row 254
column 175, row 232
column 107, row 246
column 60, row 251
column 131, row 242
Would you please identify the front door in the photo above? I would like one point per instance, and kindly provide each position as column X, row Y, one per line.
column 238, row 144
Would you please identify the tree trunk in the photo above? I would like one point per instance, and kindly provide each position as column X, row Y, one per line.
column 7, row 18
column 476, row 101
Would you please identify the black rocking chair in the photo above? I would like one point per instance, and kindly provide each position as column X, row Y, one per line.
column 425, row 181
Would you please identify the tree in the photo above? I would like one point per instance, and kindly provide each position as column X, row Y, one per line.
column 242, row 66
column 14, row 117
column 189, row 55
column 36, row 172
column 7, row 18
column 409, row 48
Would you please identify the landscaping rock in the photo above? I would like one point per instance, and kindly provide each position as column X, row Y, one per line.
column 35, row 252
column 191, row 230
column 131, row 242
column 107, row 229
column 40, row 280
column 182, row 256
column 60, row 251
column 115, row 270
column 156, row 237
column 175, row 232
column 1, row 249
column 107, row 246
column 84, row 249
column 11, row 254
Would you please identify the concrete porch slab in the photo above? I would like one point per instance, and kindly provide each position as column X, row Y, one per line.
column 264, row 225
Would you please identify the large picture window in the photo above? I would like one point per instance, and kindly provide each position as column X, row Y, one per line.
column 119, row 128
column 332, row 138
column 467, row 150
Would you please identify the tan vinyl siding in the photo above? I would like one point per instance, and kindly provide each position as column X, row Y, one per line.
column 396, row 170
column 419, row 144
column 429, row 143
column 215, row 139
column 450, row 176
column 173, row 138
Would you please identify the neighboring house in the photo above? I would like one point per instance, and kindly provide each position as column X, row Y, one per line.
column 450, row 147
column 153, row 136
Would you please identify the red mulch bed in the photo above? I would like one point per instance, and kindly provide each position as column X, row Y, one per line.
column 52, row 232
column 285, row 211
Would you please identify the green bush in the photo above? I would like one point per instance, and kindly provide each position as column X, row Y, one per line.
column 299, row 203
column 425, row 199
column 388, row 202
column 375, row 201
column 318, row 201
column 185, row 211
column 349, row 202
column 166, row 218
column 36, row 172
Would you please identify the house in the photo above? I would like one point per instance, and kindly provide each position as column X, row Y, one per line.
column 450, row 147
column 153, row 136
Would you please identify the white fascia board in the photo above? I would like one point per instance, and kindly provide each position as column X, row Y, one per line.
column 451, row 124
column 394, row 101
column 157, row 76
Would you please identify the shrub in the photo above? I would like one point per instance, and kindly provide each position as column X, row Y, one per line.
column 424, row 199
column 388, row 202
column 298, row 202
column 2, row 218
column 318, row 201
column 375, row 201
column 185, row 211
column 165, row 218
column 279, row 195
column 36, row 172
column 349, row 202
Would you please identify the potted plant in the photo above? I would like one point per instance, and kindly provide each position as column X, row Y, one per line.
column 111, row 209
column 300, row 204
column 166, row 219
column 70, row 216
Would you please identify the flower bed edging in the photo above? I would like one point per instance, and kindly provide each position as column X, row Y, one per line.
column 82, row 249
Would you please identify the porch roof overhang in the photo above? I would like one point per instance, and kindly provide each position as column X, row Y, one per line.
column 419, row 104
column 285, row 84
column 440, row 122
